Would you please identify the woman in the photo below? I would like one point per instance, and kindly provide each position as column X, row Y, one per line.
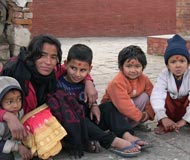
column 37, row 68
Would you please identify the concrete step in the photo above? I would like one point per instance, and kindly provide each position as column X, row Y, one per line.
column 156, row 45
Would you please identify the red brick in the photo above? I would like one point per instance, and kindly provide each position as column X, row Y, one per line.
column 65, row 18
column 157, row 45
column 29, row 4
column 29, row 27
column 22, row 21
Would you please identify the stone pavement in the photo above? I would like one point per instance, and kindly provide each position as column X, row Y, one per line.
column 165, row 147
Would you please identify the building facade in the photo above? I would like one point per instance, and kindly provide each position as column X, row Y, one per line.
column 81, row 18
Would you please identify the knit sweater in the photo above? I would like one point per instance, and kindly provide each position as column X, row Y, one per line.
column 121, row 90
column 75, row 90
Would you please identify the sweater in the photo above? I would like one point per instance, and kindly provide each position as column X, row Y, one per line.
column 121, row 90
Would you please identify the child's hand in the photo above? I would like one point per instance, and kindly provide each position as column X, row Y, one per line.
column 95, row 111
column 168, row 124
column 145, row 117
column 24, row 152
column 181, row 123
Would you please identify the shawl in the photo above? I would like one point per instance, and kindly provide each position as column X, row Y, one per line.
column 70, row 113
column 44, row 132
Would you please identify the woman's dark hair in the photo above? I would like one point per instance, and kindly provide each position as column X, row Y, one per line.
column 129, row 53
column 36, row 44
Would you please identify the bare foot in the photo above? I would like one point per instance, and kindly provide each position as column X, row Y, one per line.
column 129, row 137
column 120, row 143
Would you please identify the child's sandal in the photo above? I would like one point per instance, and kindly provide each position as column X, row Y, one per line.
column 93, row 147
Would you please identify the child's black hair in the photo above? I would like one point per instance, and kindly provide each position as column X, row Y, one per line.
column 80, row 52
column 129, row 53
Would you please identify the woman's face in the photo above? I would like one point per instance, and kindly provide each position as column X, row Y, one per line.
column 47, row 62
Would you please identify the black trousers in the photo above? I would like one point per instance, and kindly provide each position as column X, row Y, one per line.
column 7, row 156
column 112, row 124
column 10, row 156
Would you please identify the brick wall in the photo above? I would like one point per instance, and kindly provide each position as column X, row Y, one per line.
column 156, row 45
column 76, row 18
column 18, row 24
column 183, row 17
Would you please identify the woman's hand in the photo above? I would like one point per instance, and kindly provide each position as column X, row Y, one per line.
column 17, row 129
column 90, row 93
